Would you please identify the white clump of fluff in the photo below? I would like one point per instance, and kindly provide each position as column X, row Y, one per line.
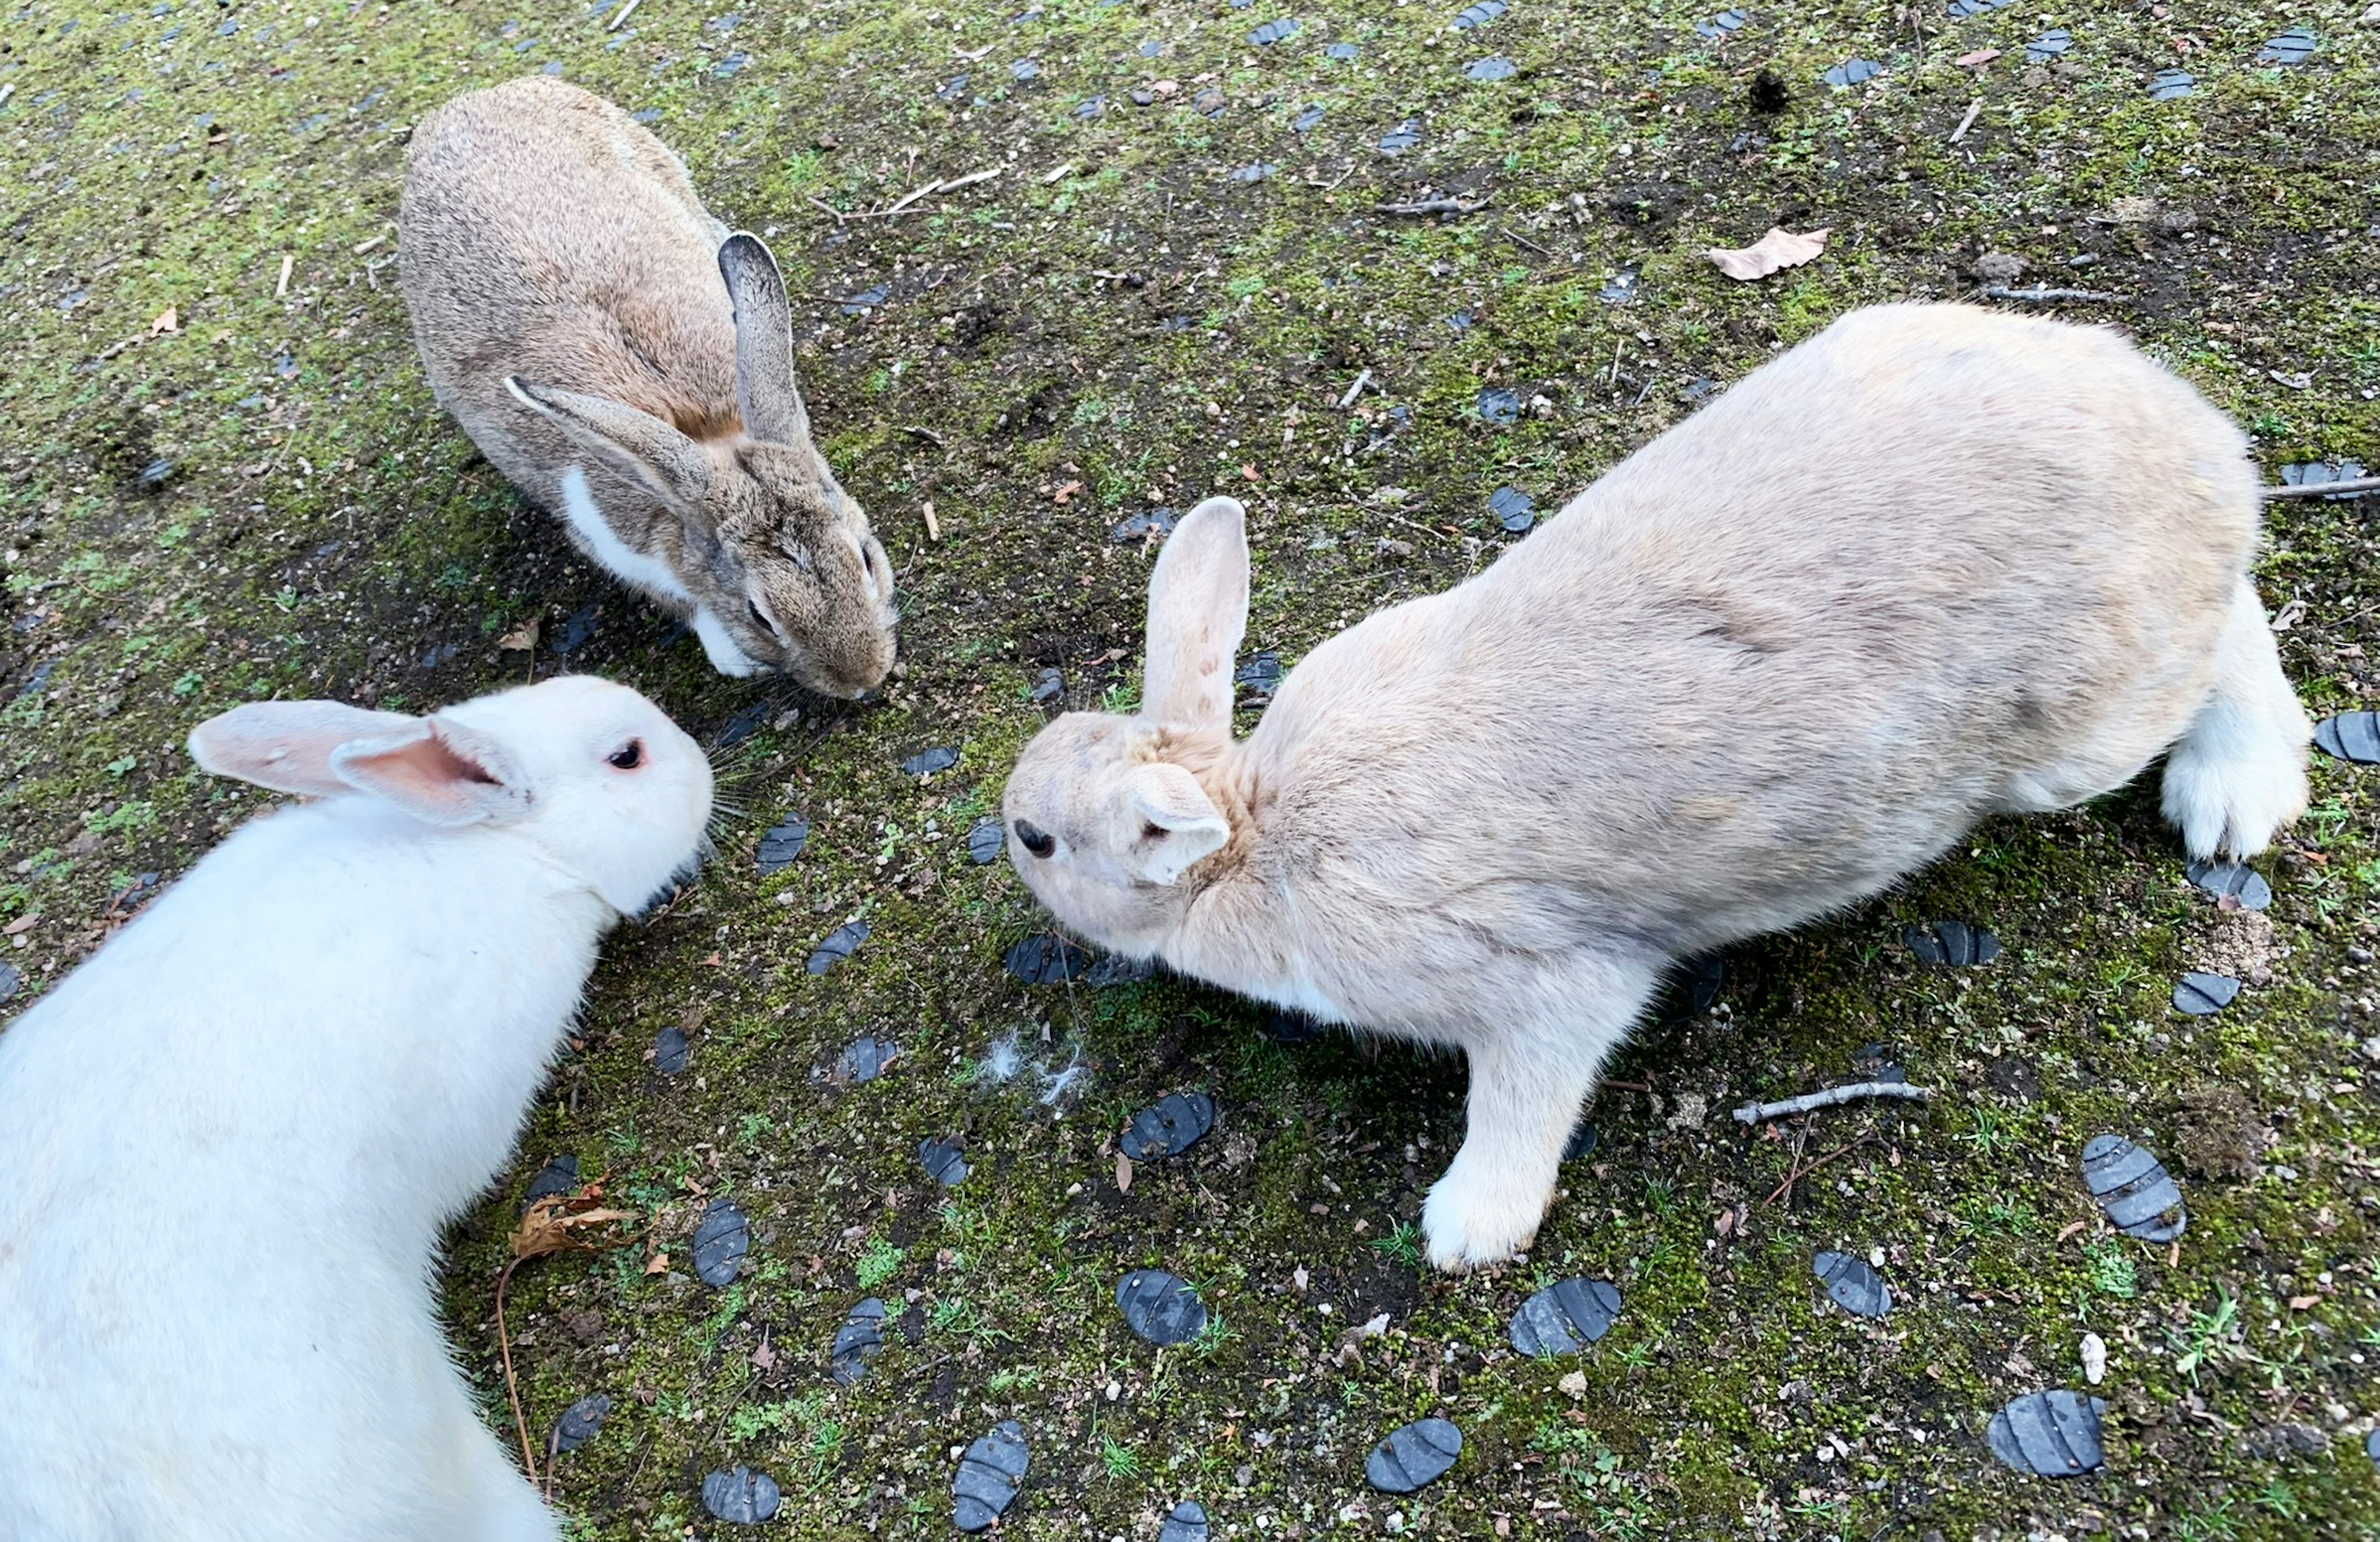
column 1004, row 1058
column 1056, row 1084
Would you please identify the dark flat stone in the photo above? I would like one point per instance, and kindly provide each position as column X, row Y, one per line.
column 2231, row 881
column 1272, row 33
column 1583, row 1142
column 2168, row 84
column 1026, row 69
column 577, row 631
column 744, row 724
column 1720, row 25
column 871, row 297
column 1091, row 107
column 1116, row 969
column 1306, row 121
column 1141, row 526
column 1513, row 509
column 1257, row 172
column 856, row 1342
column 2048, row 46
column 2353, row 736
column 1691, row 988
column 1404, row 137
column 1414, row 1457
column 671, row 1050
column 926, row 763
column 1951, row 944
column 581, row 1422
column 1179, row 1120
column 559, row 1176
column 838, row 945
column 1479, row 15
column 2053, row 1434
column 1048, row 686
column 1493, row 67
column 1962, row 9
column 989, row 1476
column 2202, row 995
column 864, row 1058
column 2314, row 473
column 1260, row 674
column 1565, row 1318
column 1046, row 958
column 1161, row 1307
column 2372, row 1447
column 1621, row 290
column 944, row 1160
column 1341, row 51
column 1854, row 72
column 951, row 88
column 784, row 842
column 986, row 838
column 740, row 1496
column 1187, row 1524
column 2292, row 48
column 1498, row 405
column 719, row 1244
column 1852, row 1284
column 2132, row 1186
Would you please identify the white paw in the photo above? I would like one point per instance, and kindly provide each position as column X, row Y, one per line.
column 720, row 648
column 1473, row 1218
column 2233, row 794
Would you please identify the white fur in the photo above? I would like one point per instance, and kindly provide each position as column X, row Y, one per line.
column 603, row 544
column 2238, row 773
column 229, row 1141
column 721, row 649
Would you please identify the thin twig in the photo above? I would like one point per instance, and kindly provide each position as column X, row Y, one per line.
column 823, row 207
column 2040, row 294
column 1356, row 389
column 1792, row 1165
column 1760, row 1114
column 927, row 435
column 1513, row 235
column 625, row 11
column 1798, row 1173
column 512, row 1387
column 2323, row 489
column 1433, row 206
column 1974, row 109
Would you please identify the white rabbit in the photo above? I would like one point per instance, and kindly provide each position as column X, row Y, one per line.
column 229, row 1141
column 630, row 365
column 1932, row 564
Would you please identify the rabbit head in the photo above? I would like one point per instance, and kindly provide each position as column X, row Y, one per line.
column 1106, row 813
column 775, row 551
column 591, row 775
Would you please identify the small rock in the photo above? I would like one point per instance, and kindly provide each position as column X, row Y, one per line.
column 1414, row 1457
column 2292, row 48
column 1852, row 1284
column 2166, row 85
column 1306, row 121
column 1583, row 1142
column 1565, row 1318
column 1272, row 33
column 857, row 1342
column 1147, row 523
column 1261, row 674
column 1026, row 69
column 1116, row 969
column 928, row 762
column 1572, row 1386
column 1404, row 137
column 581, row 1422
column 944, row 1161
column 2049, row 45
column 1256, row 173
column 1621, row 288
column 1479, row 15
column 2053, row 1434
column 1720, row 25
column 986, row 838
column 2202, row 995
column 1161, row 1307
column 1179, row 1120
column 1341, row 51
column 864, row 1058
column 2094, row 1358
column 1045, row 958
column 1853, row 72
column 2371, row 1441
column 782, row 843
column 1187, row 1524
column 2371, row 1051
column 838, row 945
column 1513, row 509
column 1951, row 944
column 559, row 1176
column 1999, row 267
column 1494, row 67
column 740, row 1496
column 875, row 295
column 2132, row 1186
column 2231, row 881
column 1500, row 407
column 720, row 1244
column 2315, row 473
column 2353, row 736
column 989, row 1476
column 671, row 1050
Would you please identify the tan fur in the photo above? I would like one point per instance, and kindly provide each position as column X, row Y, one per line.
column 548, row 240
column 1932, row 564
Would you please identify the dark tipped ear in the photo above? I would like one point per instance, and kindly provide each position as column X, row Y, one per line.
column 442, row 773
column 669, row 464
column 765, row 392
column 1197, row 611
column 287, row 745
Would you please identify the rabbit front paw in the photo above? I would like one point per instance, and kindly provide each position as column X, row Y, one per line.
column 1473, row 1218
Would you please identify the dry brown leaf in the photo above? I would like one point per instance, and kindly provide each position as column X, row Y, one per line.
column 1980, row 56
column 23, row 924
column 1123, row 1174
column 168, row 320
column 2301, row 1302
column 656, row 1264
column 557, row 1223
column 521, row 639
column 1773, row 252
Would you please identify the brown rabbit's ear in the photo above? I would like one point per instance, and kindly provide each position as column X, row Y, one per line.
column 287, row 745
column 441, row 772
column 671, row 466
column 1198, row 611
column 1179, row 826
column 765, row 391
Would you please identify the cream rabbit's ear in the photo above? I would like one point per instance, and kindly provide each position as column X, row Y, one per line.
column 1179, row 825
column 287, row 745
column 671, row 466
column 1197, row 613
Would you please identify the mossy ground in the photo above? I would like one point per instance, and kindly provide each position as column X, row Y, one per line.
column 1114, row 322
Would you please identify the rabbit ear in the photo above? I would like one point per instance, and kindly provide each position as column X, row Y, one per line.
column 1179, row 826
column 666, row 461
column 765, row 392
column 441, row 772
column 287, row 745
column 1197, row 611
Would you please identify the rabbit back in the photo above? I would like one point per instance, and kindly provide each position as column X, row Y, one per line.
column 1932, row 565
column 227, row 1144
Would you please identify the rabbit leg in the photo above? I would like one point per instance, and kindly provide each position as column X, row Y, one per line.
column 1528, row 1078
column 2238, row 773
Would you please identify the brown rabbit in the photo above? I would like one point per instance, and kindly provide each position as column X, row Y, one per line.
column 568, row 297
column 1932, row 565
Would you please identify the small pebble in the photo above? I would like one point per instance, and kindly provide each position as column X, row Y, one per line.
column 782, row 843
column 740, row 1496
column 1480, row 15
column 944, row 1160
column 2231, row 881
column 1404, row 137
column 1494, row 67
column 1048, row 686
column 581, row 1422
column 2315, row 473
column 2132, row 1186
column 1852, row 1284
column 1513, row 509
column 1414, row 1457
column 1026, row 69
column 2094, row 1358
column 857, row 1342
column 1257, row 172
column 1620, row 289
column 1261, row 674
column 2049, row 45
column 1854, row 72
column 838, row 945
column 1161, row 1307
column 1720, row 25
column 2353, row 736
column 989, row 1476
column 1306, row 121
column 559, row 1176
column 1272, row 33
column 11, row 980
column 1187, row 1524
column 2372, row 1447
column 671, row 1050
column 1498, row 405
column 1565, row 1318
column 1179, row 1120
column 986, row 839
column 864, row 1058
column 2202, row 995
column 1341, row 51
column 2053, row 1434
column 1147, row 522
column 1583, row 1142
column 719, row 1244
column 1046, row 959
column 868, row 299
column 2292, row 48
column 2168, row 84
column 1952, row 944
column 926, row 763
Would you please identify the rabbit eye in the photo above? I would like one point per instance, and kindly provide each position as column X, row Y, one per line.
column 1038, row 841
column 629, row 756
column 760, row 619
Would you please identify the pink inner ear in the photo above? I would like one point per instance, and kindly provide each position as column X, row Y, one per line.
column 429, row 779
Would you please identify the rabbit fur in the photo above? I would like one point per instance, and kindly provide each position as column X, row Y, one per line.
column 565, row 286
column 230, row 1140
column 1931, row 565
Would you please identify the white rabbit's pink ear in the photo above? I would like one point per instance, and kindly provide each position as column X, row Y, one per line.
column 1198, row 611
column 441, row 773
column 287, row 745
column 1179, row 826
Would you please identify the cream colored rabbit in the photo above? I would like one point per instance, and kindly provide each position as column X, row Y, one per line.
column 1932, row 565
column 566, row 294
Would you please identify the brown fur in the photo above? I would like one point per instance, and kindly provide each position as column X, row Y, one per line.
column 548, row 239
column 1932, row 565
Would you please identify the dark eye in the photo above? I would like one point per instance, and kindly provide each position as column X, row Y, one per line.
column 629, row 756
column 761, row 620
column 1038, row 841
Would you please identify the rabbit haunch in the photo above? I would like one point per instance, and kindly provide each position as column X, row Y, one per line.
column 1931, row 565
column 229, row 1141
column 630, row 365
